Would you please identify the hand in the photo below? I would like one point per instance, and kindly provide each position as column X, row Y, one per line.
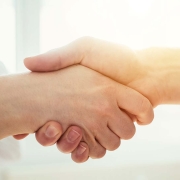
column 117, row 62
column 58, row 102
column 69, row 142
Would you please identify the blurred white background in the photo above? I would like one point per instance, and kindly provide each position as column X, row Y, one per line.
column 29, row 27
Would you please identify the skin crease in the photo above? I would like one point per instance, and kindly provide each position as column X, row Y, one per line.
column 78, row 149
column 92, row 87
column 154, row 72
column 64, row 144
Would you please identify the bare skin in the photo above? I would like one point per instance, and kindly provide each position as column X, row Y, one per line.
column 93, row 102
column 66, row 143
column 154, row 72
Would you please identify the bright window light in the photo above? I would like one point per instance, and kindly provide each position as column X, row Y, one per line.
column 140, row 6
column 136, row 23
column 7, row 34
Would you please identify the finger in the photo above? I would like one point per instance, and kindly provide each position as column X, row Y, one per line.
column 92, row 53
column 70, row 140
column 20, row 136
column 77, row 52
column 49, row 134
column 55, row 59
column 81, row 153
column 108, row 139
column 135, row 103
column 96, row 150
column 122, row 125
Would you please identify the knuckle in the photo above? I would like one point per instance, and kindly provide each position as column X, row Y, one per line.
column 145, row 108
column 104, row 109
column 85, row 39
column 95, row 127
column 129, row 132
column 98, row 153
column 84, row 44
column 144, row 105
column 151, row 117
column 114, row 145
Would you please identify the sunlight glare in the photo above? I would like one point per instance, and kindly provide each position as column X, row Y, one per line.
column 140, row 6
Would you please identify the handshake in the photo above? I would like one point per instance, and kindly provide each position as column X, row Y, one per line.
column 87, row 95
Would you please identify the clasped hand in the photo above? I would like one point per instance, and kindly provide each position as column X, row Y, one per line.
column 91, row 113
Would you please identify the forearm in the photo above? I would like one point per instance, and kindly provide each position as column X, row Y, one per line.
column 7, row 108
column 17, row 105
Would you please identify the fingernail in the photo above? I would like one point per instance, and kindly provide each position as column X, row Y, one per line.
column 51, row 131
column 73, row 135
column 81, row 149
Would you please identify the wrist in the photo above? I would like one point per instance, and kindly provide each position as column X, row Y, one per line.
column 8, row 108
column 162, row 67
column 20, row 105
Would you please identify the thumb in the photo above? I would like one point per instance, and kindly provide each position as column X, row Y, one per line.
column 55, row 59
column 109, row 59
